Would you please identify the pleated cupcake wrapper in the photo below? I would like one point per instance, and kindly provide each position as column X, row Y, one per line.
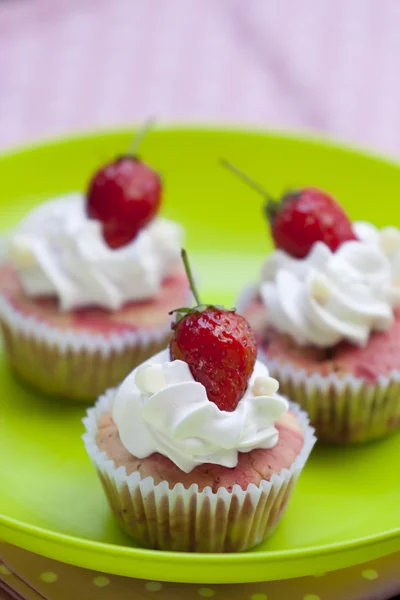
column 78, row 366
column 190, row 520
column 343, row 409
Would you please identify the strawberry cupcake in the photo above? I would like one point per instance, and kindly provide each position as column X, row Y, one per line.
column 88, row 281
column 326, row 316
column 195, row 449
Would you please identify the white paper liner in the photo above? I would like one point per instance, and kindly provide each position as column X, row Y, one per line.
column 342, row 408
column 188, row 520
column 78, row 366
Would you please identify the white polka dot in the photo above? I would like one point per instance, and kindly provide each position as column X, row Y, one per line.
column 370, row 574
column 206, row 592
column 49, row 577
column 101, row 581
column 4, row 570
column 153, row 586
column 259, row 597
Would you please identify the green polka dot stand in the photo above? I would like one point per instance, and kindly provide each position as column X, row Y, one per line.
column 27, row 576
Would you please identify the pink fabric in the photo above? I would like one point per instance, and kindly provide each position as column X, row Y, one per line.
column 325, row 65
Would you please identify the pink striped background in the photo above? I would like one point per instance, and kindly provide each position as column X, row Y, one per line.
column 325, row 65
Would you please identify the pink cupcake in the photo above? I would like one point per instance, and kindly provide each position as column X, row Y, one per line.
column 88, row 282
column 199, row 453
column 326, row 317
column 190, row 480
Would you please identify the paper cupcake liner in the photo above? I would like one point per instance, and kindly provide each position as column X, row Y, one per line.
column 189, row 520
column 78, row 366
column 343, row 409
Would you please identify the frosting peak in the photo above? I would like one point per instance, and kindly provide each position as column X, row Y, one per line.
column 58, row 250
column 387, row 240
column 328, row 297
column 161, row 408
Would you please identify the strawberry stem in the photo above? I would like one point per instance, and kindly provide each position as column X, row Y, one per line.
column 139, row 136
column 190, row 276
column 272, row 206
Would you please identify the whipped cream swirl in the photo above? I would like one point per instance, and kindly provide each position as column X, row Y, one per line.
column 328, row 297
column 161, row 408
column 58, row 251
column 386, row 239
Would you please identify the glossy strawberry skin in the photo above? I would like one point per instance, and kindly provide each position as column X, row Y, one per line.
column 125, row 195
column 220, row 348
column 307, row 216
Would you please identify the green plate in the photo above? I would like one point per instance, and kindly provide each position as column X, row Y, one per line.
column 345, row 509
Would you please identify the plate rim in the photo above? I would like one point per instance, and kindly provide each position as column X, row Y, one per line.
column 155, row 565
column 82, row 543
column 295, row 136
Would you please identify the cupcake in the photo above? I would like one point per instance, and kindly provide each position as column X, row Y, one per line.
column 88, row 281
column 326, row 316
column 195, row 450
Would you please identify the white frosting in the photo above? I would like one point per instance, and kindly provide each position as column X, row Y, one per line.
column 58, row 250
column 328, row 297
column 388, row 240
column 161, row 408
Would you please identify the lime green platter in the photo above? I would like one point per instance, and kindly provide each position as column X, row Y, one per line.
column 345, row 509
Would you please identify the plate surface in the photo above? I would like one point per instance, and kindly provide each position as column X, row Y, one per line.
column 345, row 509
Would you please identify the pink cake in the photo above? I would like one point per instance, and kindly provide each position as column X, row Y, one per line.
column 79, row 354
column 325, row 311
column 195, row 449
column 133, row 316
column 368, row 377
column 171, row 498
column 379, row 358
column 252, row 468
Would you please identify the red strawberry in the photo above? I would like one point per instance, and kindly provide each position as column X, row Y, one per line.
column 306, row 216
column 125, row 196
column 218, row 345
column 303, row 217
